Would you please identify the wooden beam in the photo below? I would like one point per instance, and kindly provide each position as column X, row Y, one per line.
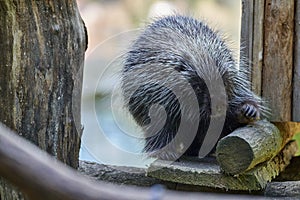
column 278, row 58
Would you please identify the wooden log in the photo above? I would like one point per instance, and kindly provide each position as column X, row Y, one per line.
column 278, row 58
column 248, row 146
column 42, row 46
column 296, row 78
column 208, row 174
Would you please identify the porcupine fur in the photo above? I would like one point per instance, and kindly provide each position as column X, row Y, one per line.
column 170, row 52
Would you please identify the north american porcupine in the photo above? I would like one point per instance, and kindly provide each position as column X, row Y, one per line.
column 169, row 53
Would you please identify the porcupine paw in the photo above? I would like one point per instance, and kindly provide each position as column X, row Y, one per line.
column 249, row 113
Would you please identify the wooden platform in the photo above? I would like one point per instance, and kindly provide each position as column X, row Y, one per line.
column 208, row 174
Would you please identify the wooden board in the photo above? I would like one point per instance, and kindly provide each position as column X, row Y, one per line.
column 208, row 174
column 257, row 47
column 278, row 58
column 246, row 30
column 296, row 78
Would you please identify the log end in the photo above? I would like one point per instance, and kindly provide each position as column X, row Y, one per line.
column 234, row 158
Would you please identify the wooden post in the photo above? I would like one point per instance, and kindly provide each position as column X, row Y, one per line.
column 278, row 58
column 41, row 63
column 296, row 78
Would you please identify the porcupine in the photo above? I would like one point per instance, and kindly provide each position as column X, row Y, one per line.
column 183, row 45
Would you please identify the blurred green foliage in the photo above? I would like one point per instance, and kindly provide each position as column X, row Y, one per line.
column 297, row 138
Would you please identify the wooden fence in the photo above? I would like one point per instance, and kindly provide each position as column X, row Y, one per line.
column 270, row 35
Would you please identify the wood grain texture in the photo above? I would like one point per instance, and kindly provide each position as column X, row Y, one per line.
column 257, row 47
column 278, row 57
column 246, row 35
column 42, row 45
column 296, row 78
column 289, row 189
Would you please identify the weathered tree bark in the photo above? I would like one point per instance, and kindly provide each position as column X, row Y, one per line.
column 42, row 45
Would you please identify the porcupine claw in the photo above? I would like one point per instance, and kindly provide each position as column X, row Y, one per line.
column 250, row 112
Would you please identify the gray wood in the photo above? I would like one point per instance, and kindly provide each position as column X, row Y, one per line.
column 278, row 58
column 257, row 47
column 283, row 189
column 41, row 63
column 120, row 175
column 248, row 146
column 246, row 35
column 296, row 78
column 207, row 174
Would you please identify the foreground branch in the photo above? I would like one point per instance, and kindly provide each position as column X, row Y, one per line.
column 40, row 176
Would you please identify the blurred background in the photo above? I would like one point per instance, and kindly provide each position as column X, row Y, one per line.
column 110, row 135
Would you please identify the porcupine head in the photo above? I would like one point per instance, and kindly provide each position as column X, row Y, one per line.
column 182, row 85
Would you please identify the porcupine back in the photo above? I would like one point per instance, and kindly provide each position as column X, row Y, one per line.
column 169, row 53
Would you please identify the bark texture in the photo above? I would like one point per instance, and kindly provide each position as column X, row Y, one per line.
column 42, row 45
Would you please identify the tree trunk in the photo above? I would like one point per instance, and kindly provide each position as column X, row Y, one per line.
column 42, row 45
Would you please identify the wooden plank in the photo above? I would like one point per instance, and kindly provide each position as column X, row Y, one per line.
column 239, row 151
column 246, row 34
column 208, row 174
column 278, row 57
column 296, row 83
column 257, row 47
column 289, row 189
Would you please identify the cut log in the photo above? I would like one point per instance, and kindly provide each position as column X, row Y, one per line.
column 208, row 174
column 248, row 146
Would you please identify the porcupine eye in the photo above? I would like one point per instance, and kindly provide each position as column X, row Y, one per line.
column 250, row 112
